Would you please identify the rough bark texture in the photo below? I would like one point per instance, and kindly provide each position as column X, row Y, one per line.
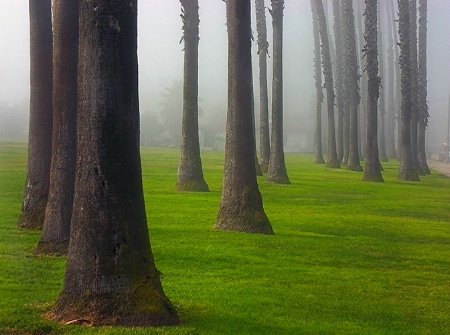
column 407, row 170
column 277, row 172
column 41, row 113
column 372, row 170
column 332, row 160
column 263, row 46
column 190, row 171
column 352, row 77
column 422, row 88
column 391, row 87
column 241, row 207
column 383, row 94
column 111, row 278
column 340, row 92
column 56, row 230
column 318, row 154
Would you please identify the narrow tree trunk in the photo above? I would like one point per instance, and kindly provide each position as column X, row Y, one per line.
column 56, row 229
column 241, row 206
column 407, row 170
column 391, row 87
column 382, row 100
column 111, row 278
column 263, row 45
column 318, row 154
column 372, row 170
column 422, row 87
column 190, row 171
column 40, row 129
column 353, row 163
column 332, row 160
column 277, row 166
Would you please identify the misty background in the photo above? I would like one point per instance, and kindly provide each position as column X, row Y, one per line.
column 161, row 71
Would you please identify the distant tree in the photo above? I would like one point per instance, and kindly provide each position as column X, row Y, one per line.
column 190, row 171
column 56, row 230
column 332, row 160
column 390, row 84
column 340, row 92
column 263, row 46
column 318, row 155
column 172, row 112
column 407, row 170
column 277, row 172
column 422, row 87
column 372, row 171
column 111, row 278
column 40, row 127
column 352, row 79
column 241, row 206
column 414, row 86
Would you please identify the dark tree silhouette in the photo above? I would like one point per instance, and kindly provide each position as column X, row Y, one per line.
column 277, row 172
column 383, row 93
column 318, row 154
column 352, row 78
column 56, row 230
column 372, row 171
column 332, row 160
column 110, row 277
column 41, row 113
column 241, row 207
column 190, row 171
column 422, row 87
column 407, row 170
column 263, row 46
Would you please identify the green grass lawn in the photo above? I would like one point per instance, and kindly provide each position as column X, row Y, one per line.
column 347, row 257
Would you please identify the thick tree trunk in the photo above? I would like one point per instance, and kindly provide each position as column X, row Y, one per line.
column 56, row 229
column 190, row 171
column 264, row 137
column 352, row 77
column 277, row 172
column 422, row 87
column 332, row 160
column 41, row 113
column 318, row 154
column 372, row 170
column 407, row 170
column 382, row 100
column 241, row 207
column 111, row 278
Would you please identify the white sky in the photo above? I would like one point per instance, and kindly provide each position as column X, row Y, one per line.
column 161, row 57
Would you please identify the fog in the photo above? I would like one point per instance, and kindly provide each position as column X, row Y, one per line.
column 161, row 62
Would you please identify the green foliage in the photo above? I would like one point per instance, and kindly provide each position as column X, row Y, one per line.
column 347, row 257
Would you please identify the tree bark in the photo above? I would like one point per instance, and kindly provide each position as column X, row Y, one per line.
column 318, row 154
column 372, row 171
column 332, row 160
column 56, row 230
column 383, row 92
column 422, row 88
column 263, row 46
column 190, row 171
column 277, row 172
column 352, row 77
column 111, row 278
column 241, row 206
column 41, row 114
column 407, row 170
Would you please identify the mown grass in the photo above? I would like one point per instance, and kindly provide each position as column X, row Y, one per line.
column 347, row 257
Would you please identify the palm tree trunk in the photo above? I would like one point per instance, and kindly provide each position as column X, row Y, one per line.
column 383, row 93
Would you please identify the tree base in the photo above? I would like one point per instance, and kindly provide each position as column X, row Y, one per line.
column 375, row 177
column 264, row 167
column 408, row 175
column 333, row 164
column 52, row 248
column 254, row 222
column 356, row 167
column 259, row 172
column 32, row 219
column 319, row 160
column 192, row 186
column 279, row 179
column 143, row 307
